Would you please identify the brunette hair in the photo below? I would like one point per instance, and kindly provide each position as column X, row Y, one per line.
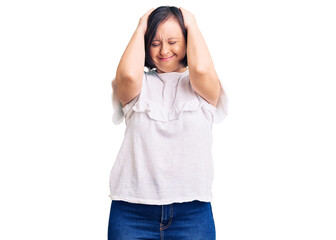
column 158, row 16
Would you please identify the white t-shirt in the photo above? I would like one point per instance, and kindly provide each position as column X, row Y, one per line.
column 165, row 155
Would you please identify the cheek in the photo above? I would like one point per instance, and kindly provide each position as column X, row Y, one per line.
column 181, row 50
column 152, row 53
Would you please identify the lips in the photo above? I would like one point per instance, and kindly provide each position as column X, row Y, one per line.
column 166, row 59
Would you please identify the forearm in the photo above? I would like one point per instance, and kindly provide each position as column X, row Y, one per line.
column 199, row 59
column 131, row 65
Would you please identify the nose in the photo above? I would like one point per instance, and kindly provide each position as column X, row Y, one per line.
column 164, row 49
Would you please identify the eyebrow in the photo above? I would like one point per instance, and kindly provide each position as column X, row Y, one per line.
column 168, row 39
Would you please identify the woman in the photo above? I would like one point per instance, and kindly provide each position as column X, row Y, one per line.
column 161, row 180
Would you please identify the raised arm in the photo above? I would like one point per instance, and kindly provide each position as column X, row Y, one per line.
column 202, row 73
column 128, row 80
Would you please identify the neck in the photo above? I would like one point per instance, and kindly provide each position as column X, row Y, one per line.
column 180, row 70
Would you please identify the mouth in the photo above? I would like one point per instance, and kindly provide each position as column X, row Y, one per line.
column 166, row 59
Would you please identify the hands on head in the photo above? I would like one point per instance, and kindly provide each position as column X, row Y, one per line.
column 143, row 20
column 188, row 18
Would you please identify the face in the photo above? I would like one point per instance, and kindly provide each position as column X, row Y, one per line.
column 168, row 47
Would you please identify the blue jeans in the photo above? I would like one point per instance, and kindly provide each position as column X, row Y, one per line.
column 176, row 221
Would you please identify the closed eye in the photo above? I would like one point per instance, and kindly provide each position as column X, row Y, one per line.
column 158, row 44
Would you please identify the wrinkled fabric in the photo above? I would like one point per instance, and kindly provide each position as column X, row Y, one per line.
column 165, row 155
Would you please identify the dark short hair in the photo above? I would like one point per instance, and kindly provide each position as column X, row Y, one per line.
column 158, row 16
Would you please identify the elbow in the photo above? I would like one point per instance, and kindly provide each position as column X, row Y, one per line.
column 201, row 70
column 123, row 76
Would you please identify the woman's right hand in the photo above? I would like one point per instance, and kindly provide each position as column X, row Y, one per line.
column 143, row 21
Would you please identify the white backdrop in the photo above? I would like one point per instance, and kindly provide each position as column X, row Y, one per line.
column 274, row 155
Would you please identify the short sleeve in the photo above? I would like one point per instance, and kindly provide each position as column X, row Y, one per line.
column 120, row 112
column 221, row 111
column 216, row 114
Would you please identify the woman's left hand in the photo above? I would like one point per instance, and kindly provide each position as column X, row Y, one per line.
column 188, row 18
